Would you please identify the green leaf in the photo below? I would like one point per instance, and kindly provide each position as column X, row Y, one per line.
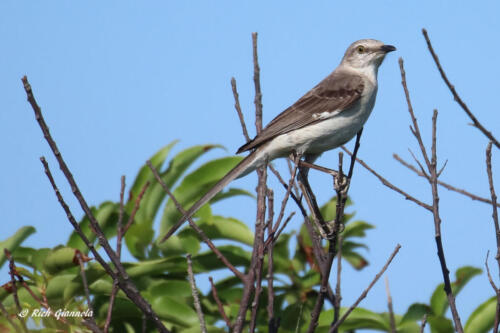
column 482, row 318
column 176, row 167
column 13, row 242
column 194, row 186
column 416, row 312
column 229, row 228
column 106, row 215
column 157, row 266
column 356, row 229
column 138, row 238
column 208, row 261
column 231, row 192
column 171, row 310
column 56, row 286
column 440, row 324
column 145, row 173
column 439, row 301
column 183, row 243
column 172, row 288
column 355, row 259
column 293, row 316
column 60, row 259
column 359, row 318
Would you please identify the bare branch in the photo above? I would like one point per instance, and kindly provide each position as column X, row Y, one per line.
column 219, row 304
column 456, row 96
column 443, row 184
column 493, row 200
column 365, row 292
column 237, row 106
column 392, row 320
column 119, row 235
column 497, row 231
column 89, row 322
column 13, row 273
column 256, row 80
column 338, row 294
column 136, row 208
column 390, row 185
column 194, row 292
column 416, row 130
column 125, row 283
column 424, row 321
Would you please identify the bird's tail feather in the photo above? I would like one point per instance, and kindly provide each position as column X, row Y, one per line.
column 244, row 167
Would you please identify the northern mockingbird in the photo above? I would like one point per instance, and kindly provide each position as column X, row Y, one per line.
column 326, row 117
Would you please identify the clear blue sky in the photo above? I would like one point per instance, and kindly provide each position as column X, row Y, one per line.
column 119, row 79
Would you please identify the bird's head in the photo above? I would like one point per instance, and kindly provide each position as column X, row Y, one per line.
column 366, row 53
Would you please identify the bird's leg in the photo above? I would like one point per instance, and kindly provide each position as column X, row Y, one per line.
column 321, row 226
column 308, row 165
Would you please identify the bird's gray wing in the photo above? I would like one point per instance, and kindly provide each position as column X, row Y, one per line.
column 337, row 92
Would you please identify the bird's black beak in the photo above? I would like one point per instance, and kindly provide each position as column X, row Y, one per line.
column 387, row 48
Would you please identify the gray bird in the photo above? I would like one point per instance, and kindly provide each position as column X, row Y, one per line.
column 326, row 117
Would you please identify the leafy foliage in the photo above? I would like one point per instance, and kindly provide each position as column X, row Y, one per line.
column 159, row 270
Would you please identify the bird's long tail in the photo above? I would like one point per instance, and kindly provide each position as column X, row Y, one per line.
column 247, row 165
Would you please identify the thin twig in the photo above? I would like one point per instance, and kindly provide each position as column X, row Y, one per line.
column 493, row 201
column 389, row 184
column 255, row 271
column 497, row 231
column 456, row 96
column 13, row 273
column 415, row 130
column 424, row 321
column 81, row 261
column 119, row 236
column 365, row 292
column 7, row 316
column 193, row 225
column 338, row 294
column 493, row 285
column 90, row 320
column 392, row 320
column 194, row 292
column 125, row 283
column 256, row 80
column 219, row 304
column 237, row 106
column 285, row 198
column 441, row 183
column 273, row 323
column 136, row 208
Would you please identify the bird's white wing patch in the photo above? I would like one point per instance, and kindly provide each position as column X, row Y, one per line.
column 325, row 115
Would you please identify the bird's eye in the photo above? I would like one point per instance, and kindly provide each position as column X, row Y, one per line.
column 361, row 49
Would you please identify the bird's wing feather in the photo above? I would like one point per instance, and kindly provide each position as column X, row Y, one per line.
column 336, row 93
